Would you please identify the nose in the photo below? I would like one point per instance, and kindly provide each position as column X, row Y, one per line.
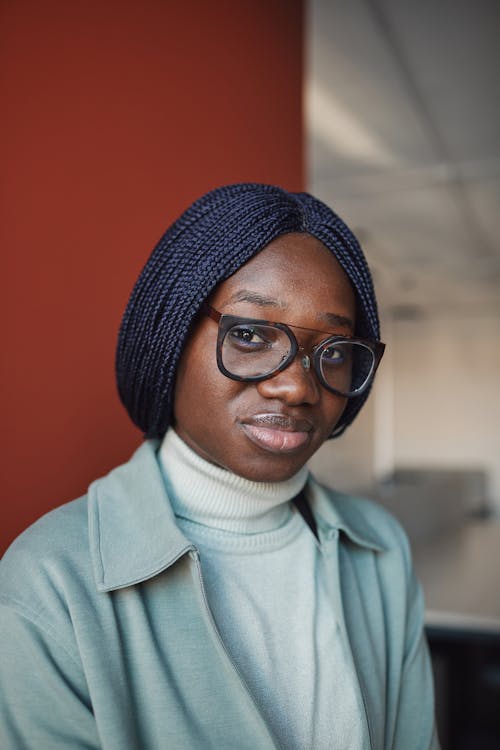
column 295, row 385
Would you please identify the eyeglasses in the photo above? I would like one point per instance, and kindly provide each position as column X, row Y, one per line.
column 252, row 350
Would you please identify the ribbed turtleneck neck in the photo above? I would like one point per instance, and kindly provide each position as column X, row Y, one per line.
column 212, row 496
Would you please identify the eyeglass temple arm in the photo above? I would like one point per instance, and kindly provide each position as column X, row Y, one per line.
column 208, row 310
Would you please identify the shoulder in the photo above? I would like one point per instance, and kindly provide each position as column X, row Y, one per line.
column 362, row 520
column 38, row 562
column 46, row 580
column 59, row 541
column 52, row 534
column 113, row 535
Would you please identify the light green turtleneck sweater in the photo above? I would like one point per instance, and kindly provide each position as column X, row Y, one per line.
column 266, row 579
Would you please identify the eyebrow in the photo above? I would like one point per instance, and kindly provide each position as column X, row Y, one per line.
column 339, row 320
column 245, row 295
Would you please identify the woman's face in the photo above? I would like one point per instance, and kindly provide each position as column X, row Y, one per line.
column 266, row 431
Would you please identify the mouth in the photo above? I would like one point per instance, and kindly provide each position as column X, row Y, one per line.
column 278, row 433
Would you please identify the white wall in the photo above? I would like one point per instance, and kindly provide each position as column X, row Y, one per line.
column 347, row 462
column 447, row 394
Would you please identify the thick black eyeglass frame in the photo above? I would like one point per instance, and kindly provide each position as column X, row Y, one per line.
column 226, row 322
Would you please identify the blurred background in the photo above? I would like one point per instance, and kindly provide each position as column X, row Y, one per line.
column 403, row 138
column 116, row 115
column 402, row 107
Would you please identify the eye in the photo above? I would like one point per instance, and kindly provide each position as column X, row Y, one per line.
column 334, row 355
column 250, row 337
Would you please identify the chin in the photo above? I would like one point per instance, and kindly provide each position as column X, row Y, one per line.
column 269, row 471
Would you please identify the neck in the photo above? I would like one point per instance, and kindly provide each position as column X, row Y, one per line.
column 212, row 496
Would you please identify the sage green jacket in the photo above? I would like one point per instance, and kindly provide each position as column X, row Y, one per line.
column 107, row 641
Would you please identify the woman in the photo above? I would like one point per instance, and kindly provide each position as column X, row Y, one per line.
column 209, row 593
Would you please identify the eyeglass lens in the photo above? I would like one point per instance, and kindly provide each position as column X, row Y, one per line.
column 252, row 351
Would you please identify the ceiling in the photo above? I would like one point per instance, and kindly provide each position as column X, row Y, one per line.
column 403, row 117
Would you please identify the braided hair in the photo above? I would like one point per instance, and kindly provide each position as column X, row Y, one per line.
column 212, row 239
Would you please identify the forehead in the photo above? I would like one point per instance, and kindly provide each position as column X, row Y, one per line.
column 295, row 272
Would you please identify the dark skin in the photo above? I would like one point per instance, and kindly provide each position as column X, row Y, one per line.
column 267, row 431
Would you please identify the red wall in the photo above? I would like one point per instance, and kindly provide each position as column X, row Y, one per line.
column 115, row 116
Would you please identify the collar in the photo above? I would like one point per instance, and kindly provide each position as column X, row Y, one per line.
column 345, row 513
column 132, row 528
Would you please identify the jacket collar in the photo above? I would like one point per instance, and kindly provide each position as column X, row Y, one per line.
column 132, row 529
column 345, row 513
column 133, row 534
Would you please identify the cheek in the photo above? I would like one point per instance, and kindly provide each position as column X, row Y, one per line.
column 202, row 393
column 332, row 408
column 187, row 407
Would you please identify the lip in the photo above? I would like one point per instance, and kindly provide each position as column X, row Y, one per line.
column 277, row 433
